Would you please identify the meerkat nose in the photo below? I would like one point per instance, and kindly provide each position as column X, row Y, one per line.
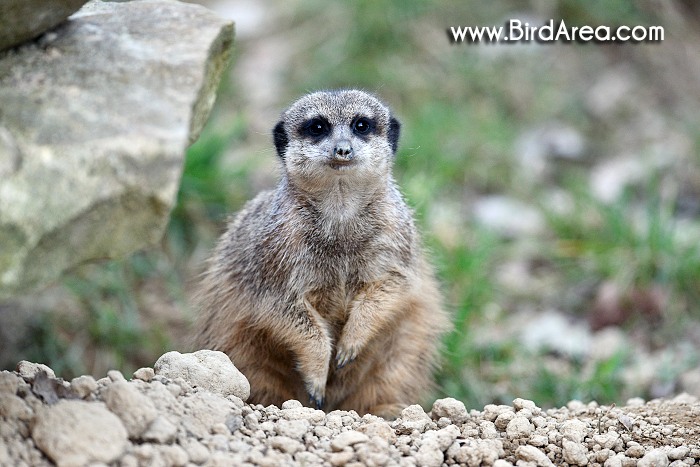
column 343, row 150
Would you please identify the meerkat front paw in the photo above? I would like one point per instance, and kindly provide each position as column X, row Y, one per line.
column 346, row 354
column 316, row 394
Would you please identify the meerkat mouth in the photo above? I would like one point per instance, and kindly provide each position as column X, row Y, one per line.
column 341, row 164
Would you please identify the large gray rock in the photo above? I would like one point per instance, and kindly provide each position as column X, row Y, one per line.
column 94, row 123
column 21, row 20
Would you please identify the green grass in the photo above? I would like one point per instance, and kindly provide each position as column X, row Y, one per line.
column 207, row 189
column 106, row 326
column 467, row 270
column 634, row 244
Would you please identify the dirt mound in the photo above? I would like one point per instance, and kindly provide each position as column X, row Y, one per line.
column 177, row 419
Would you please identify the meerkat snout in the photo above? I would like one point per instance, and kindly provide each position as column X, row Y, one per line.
column 343, row 151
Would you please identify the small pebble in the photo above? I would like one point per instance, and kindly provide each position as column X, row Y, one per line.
column 83, row 386
column 28, row 370
column 654, row 458
column 291, row 404
column 115, row 375
column 348, row 438
column 144, row 374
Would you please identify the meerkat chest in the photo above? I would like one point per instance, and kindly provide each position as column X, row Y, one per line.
column 341, row 206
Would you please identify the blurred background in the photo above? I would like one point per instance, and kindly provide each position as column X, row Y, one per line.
column 557, row 187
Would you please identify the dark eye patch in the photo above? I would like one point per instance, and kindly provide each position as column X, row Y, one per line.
column 317, row 128
column 363, row 126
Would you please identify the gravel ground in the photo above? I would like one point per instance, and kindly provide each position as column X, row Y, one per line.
column 189, row 410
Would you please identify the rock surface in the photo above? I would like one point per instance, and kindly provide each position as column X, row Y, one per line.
column 21, row 20
column 77, row 432
column 208, row 369
column 94, row 122
column 185, row 424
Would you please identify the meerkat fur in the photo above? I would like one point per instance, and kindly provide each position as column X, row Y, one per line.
column 319, row 290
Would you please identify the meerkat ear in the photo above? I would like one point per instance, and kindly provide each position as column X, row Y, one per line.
column 393, row 133
column 279, row 136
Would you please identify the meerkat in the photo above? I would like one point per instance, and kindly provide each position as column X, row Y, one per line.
column 319, row 290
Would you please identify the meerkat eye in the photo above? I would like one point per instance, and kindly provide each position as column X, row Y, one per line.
column 362, row 126
column 316, row 127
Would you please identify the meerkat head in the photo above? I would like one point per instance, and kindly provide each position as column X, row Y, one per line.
column 330, row 134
